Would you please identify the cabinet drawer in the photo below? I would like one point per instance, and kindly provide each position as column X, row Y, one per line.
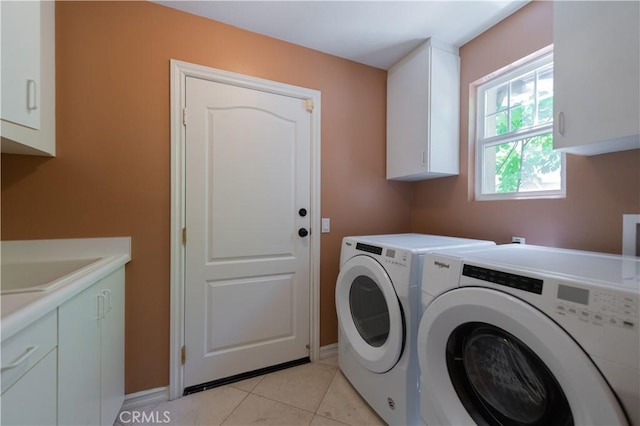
column 22, row 351
column 32, row 400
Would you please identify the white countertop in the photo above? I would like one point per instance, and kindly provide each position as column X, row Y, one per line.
column 21, row 309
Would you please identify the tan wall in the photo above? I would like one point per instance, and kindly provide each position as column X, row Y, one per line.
column 599, row 189
column 112, row 173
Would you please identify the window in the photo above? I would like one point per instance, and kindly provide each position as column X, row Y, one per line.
column 514, row 133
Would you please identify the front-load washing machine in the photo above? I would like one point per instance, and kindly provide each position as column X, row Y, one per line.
column 519, row 334
column 378, row 305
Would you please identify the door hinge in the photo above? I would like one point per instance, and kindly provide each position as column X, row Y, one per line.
column 184, row 236
column 308, row 104
column 184, row 116
column 183, row 354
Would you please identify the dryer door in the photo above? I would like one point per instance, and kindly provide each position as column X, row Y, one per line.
column 487, row 357
column 369, row 313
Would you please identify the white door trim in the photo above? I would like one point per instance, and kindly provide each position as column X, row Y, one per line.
column 179, row 72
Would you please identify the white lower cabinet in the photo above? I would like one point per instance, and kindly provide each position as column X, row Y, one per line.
column 112, row 351
column 29, row 376
column 91, row 354
column 32, row 400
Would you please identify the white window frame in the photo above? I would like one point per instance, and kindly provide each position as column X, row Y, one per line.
column 518, row 68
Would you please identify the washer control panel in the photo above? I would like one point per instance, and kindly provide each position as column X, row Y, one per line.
column 521, row 282
column 600, row 307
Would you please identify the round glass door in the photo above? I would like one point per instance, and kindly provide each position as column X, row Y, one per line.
column 369, row 310
column 369, row 313
column 489, row 358
column 500, row 381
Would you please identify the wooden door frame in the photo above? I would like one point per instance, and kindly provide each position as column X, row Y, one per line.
column 179, row 72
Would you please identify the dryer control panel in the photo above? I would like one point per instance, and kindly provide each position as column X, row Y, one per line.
column 387, row 255
column 396, row 257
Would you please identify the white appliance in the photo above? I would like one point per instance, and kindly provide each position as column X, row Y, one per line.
column 378, row 304
column 519, row 334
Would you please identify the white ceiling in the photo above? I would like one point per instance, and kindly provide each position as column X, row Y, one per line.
column 376, row 33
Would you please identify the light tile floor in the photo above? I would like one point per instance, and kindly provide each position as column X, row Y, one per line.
column 310, row 394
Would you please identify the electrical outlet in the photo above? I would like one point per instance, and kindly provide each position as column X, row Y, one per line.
column 517, row 240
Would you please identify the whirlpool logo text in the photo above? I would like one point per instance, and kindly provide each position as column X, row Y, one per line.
column 441, row 264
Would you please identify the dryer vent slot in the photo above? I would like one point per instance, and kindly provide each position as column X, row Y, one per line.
column 369, row 249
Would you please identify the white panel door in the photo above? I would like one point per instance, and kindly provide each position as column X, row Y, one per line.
column 247, row 268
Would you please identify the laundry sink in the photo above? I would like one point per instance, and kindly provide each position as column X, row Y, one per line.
column 27, row 277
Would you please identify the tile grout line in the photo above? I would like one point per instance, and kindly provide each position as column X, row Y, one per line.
column 324, row 395
column 314, row 413
column 236, row 407
column 280, row 402
column 243, row 399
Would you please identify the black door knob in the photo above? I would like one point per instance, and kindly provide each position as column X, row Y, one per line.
column 302, row 212
column 303, row 232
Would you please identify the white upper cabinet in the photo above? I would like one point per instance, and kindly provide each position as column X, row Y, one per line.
column 596, row 76
column 21, row 63
column 28, row 77
column 423, row 114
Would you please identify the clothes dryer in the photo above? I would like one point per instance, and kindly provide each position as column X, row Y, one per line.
column 377, row 301
column 519, row 334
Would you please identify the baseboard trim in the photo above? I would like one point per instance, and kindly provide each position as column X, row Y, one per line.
column 329, row 351
column 145, row 397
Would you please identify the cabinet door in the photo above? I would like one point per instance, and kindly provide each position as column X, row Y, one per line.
column 79, row 359
column 28, row 83
column 112, row 344
column 32, row 399
column 596, row 76
column 422, row 114
column 408, row 103
column 21, row 62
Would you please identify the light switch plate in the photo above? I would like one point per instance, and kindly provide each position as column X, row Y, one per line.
column 326, row 225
